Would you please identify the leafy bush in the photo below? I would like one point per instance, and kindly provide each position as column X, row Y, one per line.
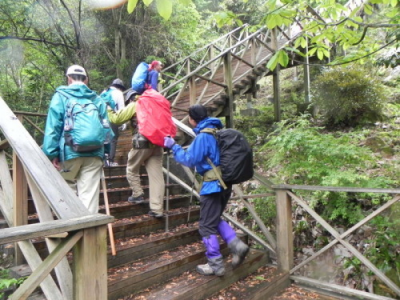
column 349, row 96
column 301, row 154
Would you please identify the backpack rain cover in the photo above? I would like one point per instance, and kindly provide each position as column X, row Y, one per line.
column 139, row 77
column 154, row 117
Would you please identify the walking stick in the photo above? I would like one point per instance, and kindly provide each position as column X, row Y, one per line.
column 109, row 225
column 190, row 203
column 167, row 204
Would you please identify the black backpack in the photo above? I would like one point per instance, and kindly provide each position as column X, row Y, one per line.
column 236, row 155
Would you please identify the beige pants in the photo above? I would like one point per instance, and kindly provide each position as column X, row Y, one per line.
column 152, row 160
column 83, row 176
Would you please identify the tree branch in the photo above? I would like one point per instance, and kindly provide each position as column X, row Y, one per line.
column 9, row 37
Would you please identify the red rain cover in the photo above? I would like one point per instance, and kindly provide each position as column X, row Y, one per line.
column 154, row 117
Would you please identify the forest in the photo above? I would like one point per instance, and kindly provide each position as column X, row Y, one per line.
column 341, row 130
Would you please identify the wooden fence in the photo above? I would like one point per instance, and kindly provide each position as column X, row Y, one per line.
column 60, row 213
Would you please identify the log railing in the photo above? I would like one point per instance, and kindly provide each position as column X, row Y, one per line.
column 59, row 211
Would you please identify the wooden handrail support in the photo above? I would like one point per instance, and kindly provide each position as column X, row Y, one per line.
column 284, row 232
column 32, row 231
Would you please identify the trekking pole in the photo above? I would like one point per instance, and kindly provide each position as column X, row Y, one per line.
column 109, row 225
column 167, row 204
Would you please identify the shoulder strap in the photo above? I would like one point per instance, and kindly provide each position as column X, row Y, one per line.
column 212, row 131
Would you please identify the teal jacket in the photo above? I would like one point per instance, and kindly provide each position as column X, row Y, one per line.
column 54, row 143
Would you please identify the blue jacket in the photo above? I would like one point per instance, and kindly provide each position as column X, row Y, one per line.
column 203, row 146
column 54, row 143
column 152, row 79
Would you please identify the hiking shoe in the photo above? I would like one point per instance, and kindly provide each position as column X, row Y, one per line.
column 137, row 200
column 215, row 266
column 155, row 215
column 113, row 164
column 239, row 251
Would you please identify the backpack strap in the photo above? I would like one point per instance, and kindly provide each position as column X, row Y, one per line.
column 216, row 170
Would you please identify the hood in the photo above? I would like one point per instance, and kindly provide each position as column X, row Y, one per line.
column 78, row 91
column 208, row 123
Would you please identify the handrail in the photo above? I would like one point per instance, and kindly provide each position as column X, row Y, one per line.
column 32, row 231
column 206, row 46
column 334, row 189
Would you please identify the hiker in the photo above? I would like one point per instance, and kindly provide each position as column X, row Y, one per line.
column 142, row 152
column 213, row 197
column 77, row 154
column 117, row 102
column 154, row 74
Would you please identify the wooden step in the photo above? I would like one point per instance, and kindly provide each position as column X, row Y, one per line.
column 262, row 284
column 125, row 209
column 144, row 224
column 130, row 249
column 141, row 274
column 191, row 285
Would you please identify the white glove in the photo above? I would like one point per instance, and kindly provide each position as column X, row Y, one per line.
column 122, row 127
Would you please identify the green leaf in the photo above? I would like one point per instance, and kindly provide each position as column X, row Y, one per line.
column 312, row 51
column 185, row 2
column 368, row 9
column 320, row 54
column 273, row 61
column 148, row 2
column 132, row 5
column 283, row 58
column 164, row 8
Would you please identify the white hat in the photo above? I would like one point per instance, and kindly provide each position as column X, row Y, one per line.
column 76, row 70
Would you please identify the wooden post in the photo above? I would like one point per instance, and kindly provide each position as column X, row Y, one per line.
column 275, row 80
column 229, row 91
column 192, row 85
column 284, row 231
column 20, row 211
column 90, row 265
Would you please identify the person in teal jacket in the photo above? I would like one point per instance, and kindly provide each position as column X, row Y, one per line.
column 81, row 170
column 213, row 195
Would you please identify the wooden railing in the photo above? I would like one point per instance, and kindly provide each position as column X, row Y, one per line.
column 285, row 198
column 59, row 211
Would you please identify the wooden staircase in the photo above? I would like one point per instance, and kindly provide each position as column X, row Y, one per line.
column 152, row 262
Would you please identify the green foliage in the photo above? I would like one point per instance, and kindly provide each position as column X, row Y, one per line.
column 6, row 281
column 300, row 154
column 349, row 96
column 382, row 245
column 164, row 7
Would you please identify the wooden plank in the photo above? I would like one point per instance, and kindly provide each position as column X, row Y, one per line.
column 279, row 282
column 284, row 231
column 258, row 220
column 61, row 198
column 4, row 145
column 90, row 265
column 334, row 189
column 342, row 290
column 62, row 270
column 48, row 285
column 20, row 202
column 14, row 234
column 6, row 190
column 40, row 273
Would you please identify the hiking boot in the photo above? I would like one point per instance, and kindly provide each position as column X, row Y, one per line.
column 137, row 200
column 239, row 251
column 215, row 266
column 155, row 215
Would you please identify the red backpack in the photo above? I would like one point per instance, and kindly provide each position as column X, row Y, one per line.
column 154, row 117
